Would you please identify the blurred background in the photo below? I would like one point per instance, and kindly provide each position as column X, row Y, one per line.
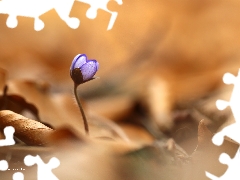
column 161, row 67
column 159, row 56
column 182, row 41
column 164, row 53
column 187, row 44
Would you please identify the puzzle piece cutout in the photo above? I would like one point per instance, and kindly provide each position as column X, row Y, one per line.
column 101, row 4
column 8, row 132
column 44, row 170
column 233, row 172
column 36, row 8
column 3, row 165
column 18, row 176
column 231, row 131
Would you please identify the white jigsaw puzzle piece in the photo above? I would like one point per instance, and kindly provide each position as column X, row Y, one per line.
column 9, row 140
column 232, row 131
column 232, row 172
column 44, row 170
column 36, row 8
column 101, row 4
column 18, row 176
column 3, row 165
column 235, row 97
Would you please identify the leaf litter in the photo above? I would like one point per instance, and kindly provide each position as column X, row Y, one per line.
column 136, row 149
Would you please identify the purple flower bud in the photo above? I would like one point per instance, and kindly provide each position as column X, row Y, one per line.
column 82, row 69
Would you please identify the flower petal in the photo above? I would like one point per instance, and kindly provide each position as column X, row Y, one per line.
column 78, row 61
column 89, row 69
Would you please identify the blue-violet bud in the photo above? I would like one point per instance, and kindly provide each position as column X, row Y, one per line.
column 82, row 69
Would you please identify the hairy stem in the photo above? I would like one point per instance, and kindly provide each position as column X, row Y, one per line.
column 81, row 109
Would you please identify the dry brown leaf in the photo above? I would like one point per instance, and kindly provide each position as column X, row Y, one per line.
column 204, row 135
column 137, row 134
column 208, row 109
column 27, row 130
column 65, row 135
column 17, row 104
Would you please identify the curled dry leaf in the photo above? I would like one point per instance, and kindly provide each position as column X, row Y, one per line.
column 17, row 104
column 27, row 130
column 204, row 134
column 137, row 134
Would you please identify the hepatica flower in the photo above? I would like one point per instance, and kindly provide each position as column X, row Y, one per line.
column 81, row 71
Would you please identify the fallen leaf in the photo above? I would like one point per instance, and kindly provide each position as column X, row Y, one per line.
column 27, row 130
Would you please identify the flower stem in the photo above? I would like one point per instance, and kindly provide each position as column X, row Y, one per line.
column 81, row 109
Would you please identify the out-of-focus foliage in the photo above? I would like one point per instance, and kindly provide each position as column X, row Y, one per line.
column 161, row 69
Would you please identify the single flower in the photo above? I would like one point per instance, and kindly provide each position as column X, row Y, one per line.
column 82, row 69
